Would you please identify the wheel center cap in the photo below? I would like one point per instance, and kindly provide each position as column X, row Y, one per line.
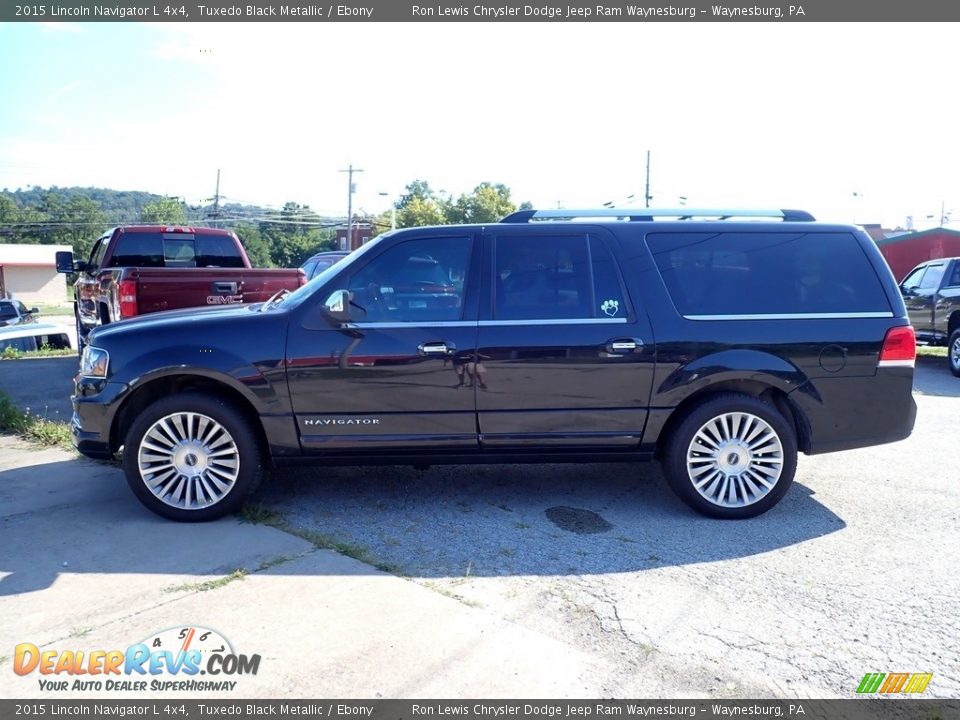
column 190, row 459
column 733, row 459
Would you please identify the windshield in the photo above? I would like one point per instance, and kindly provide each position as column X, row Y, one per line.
column 300, row 294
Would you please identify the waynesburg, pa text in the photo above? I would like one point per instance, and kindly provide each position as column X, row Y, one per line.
column 584, row 12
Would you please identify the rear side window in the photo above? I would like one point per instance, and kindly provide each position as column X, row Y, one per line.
column 553, row 278
column 756, row 273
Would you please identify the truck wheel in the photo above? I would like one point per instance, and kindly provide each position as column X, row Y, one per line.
column 732, row 457
column 953, row 352
column 192, row 457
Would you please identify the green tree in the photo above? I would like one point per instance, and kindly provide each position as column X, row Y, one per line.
column 487, row 204
column 165, row 211
column 256, row 245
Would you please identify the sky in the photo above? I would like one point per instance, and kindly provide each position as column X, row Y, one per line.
column 852, row 122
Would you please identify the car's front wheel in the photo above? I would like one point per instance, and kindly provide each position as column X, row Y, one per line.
column 192, row 457
column 953, row 352
column 732, row 457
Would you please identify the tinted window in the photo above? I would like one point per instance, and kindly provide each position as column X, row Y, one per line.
column 913, row 279
column 24, row 344
column 563, row 277
column 96, row 254
column 138, row 250
column 955, row 276
column 179, row 252
column 752, row 273
column 217, row 251
column 7, row 311
column 415, row 281
column 931, row 280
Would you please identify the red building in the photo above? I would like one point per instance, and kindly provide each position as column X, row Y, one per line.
column 361, row 235
column 905, row 252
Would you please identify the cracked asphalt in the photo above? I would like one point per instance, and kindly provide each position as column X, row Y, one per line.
column 855, row 571
column 590, row 578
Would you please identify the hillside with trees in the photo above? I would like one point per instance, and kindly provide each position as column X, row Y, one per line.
column 286, row 237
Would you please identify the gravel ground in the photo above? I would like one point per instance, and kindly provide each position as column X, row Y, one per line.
column 853, row 572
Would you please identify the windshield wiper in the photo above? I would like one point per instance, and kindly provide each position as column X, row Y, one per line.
column 274, row 299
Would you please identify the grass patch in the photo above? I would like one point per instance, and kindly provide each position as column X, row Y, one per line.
column 11, row 353
column 931, row 351
column 258, row 514
column 238, row 574
column 33, row 427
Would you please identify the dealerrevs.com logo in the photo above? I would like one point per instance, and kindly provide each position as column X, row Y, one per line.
column 184, row 658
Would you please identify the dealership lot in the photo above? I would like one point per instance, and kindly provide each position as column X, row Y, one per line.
column 580, row 580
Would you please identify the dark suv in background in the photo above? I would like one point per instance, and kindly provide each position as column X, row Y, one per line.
column 722, row 343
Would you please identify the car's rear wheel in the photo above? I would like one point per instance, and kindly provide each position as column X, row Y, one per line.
column 191, row 457
column 733, row 457
column 953, row 352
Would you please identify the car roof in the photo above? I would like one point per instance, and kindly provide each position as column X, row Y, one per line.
column 30, row 329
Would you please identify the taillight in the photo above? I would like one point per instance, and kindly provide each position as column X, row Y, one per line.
column 302, row 278
column 899, row 348
column 128, row 298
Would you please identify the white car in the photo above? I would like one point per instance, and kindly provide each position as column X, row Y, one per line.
column 34, row 336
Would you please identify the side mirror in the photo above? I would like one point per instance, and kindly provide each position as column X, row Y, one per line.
column 65, row 262
column 338, row 305
column 34, row 311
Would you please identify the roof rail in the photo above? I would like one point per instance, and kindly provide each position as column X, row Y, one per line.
column 648, row 214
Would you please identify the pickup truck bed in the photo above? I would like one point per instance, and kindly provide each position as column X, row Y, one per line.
column 144, row 269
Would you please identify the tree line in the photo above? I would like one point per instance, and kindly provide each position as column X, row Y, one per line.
column 272, row 238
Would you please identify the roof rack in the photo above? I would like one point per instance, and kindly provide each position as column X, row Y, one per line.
column 649, row 214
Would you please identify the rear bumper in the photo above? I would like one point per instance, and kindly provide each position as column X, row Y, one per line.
column 846, row 413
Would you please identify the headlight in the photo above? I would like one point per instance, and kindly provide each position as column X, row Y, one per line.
column 94, row 362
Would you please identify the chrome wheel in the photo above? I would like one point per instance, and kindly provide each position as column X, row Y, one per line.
column 188, row 460
column 735, row 459
column 955, row 353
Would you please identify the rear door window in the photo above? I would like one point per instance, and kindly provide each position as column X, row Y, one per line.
column 767, row 273
column 933, row 276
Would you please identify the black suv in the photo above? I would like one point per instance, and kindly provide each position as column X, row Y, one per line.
column 718, row 342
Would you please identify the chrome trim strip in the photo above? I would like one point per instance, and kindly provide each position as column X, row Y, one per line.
column 794, row 316
column 681, row 212
column 382, row 325
column 556, row 321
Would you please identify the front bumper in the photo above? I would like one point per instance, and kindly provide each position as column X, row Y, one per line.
column 95, row 403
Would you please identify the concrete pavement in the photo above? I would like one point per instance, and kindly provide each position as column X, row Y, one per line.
column 84, row 567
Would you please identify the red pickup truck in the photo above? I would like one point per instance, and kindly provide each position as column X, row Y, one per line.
column 141, row 269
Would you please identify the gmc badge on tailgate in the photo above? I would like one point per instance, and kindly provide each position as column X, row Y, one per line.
column 224, row 299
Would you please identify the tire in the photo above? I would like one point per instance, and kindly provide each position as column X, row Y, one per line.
column 224, row 452
column 737, row 425
column 953, row 352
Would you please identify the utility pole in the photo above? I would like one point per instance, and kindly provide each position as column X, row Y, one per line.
column 216, row 202
column 350, row 171
column 647, row 197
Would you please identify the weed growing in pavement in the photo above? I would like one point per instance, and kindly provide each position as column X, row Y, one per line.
column 238, row 574
column 35, row 427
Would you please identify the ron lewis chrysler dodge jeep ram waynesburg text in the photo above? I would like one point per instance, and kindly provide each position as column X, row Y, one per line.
column 721, row 343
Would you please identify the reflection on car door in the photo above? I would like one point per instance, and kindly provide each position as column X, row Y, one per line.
column 564, row 359
column 389, row 379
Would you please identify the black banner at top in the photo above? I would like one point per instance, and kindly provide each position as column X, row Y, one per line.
column 641, row 11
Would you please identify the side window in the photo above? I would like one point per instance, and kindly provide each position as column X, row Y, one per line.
column 542, row 278
column 767, row 273
column 556, row 278
column 913, row 279
column 418, row 281
column 99, row 248
column 931, row 281
column 955, row 276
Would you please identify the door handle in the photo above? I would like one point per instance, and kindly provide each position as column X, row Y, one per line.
column 230, row 288
column 436, row 349
column 622, row 346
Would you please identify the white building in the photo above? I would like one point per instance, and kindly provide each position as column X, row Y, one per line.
column 29, row 273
